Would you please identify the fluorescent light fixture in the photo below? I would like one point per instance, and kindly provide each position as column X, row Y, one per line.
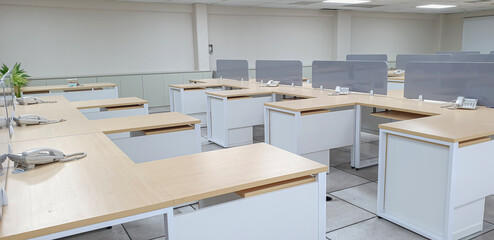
column 347, row 1
column 436, row 6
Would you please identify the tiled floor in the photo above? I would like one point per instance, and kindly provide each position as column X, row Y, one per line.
column 350, row 215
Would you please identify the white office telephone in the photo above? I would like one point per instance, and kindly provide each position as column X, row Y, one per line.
column 32, row 119
column 463, row 103
column 30, row 158
column 340, row 91
column 32, row 100
column 72, row 82
column 271, row 83
column 399, row 72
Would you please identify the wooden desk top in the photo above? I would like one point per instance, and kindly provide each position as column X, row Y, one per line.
column 103, row 186
column 66, row 87
column 114, row 102
column 397, row 79
column 391, row 73
column 198, row 176
column 143, row 122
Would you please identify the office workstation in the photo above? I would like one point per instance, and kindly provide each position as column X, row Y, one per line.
column 275, row 119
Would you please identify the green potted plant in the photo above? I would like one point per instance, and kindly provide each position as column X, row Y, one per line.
column 18, row 77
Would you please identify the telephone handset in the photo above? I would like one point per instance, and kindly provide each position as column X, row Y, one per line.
column 271, row 83
column 32, row 100
column 32, row 119
column 340, row 91
column 30, row 158
column 399, row 72
column 463, row 103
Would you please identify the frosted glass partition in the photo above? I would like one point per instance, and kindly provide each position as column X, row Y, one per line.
column 359, row 76
column 460, row 53
column 447, row 81
column 473, row 58
column 367, row 57
column 403, row 59
column 287, row 72
column 234, row 69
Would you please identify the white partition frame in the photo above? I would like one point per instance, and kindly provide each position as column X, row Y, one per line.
column 453, row 184
column 84, row 95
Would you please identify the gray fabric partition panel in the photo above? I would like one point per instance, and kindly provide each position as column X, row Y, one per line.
column 459, row 53
column 287, row 72
column 492, row 52
column 359, row 76
column 367, row 57
column 403, row 59
column 234, row 69
column 447, row 81
column 473, row 58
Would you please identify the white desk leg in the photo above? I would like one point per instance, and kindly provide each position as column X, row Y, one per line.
column 355, row 161
column 321, row 180
column 208, row 116
column 146, row 109
column 381, row 172
column 172, row 104
column 266, row 125
column 197, row 128
column 169, row 228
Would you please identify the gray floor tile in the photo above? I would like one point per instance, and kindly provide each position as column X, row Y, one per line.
column 486, row 229
column 489, row 209
column 153, row 110
column 115, row 233
column 204, row 132
column 259, row 132
column 374, row 228
column 368, row 137
column 204, row 141
column 375, row 142
column 211, row 147
column 340, row 214
column 486, row 236
column 369, row 173
column 337, row 180
column 369, row 150
column 339, row 156
column 363, row 196
column 258, row 141
column 147, row 228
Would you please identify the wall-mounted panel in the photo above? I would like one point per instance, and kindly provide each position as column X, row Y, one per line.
column 403, row 59
column 287, row 72
column 359, row 76
column 367, row 57
column 131, row 86
column 447, row 81
column 473, row 58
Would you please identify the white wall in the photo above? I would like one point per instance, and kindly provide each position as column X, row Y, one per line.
column 280, row 34
column 478, row 34
column 394, row 34
column 59, row 41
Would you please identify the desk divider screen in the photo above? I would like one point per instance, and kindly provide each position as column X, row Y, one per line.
column 287, row 72
column 359, row 76
column 460, row 53
column 233, row 69
column 446, row 81
column 367, row 57
column 473, row 58
column 403, row 59
column 492, row 52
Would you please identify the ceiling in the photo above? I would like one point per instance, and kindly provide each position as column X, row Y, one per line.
column 374, row 5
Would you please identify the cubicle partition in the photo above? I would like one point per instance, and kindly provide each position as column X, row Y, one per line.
column 459, row 53
column 359, row 76
column 367, row 57
column 287, row 72
column 492, row 52
column 403, row 59
column 233, row 69
column 473, row 58
column 447, row 81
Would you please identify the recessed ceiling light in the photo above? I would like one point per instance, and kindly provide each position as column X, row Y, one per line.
column 436, row 6
column 347, row 1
